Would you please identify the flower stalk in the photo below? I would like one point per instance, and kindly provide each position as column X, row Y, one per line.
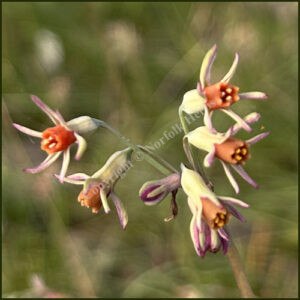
column 239, row 272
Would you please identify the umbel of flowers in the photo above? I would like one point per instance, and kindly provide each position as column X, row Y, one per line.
column 210, row 213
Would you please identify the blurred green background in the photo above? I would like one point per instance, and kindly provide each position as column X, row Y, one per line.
column 130, row 64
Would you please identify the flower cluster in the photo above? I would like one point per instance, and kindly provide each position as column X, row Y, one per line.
column 210, row 212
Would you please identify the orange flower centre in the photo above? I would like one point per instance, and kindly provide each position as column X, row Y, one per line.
column 221, row 95
column 56, row 139
column 233, row 151
column 214, row 216
column 91, row 199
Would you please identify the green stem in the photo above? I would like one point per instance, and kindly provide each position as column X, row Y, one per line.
column 239, row 272
column 152, row 159
column 193, row 151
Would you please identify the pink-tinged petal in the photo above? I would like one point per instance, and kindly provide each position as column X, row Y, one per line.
column 45, row 108
column 78, row 176
column 232, row 69
column 249, row 119
column 244, row 175
column 71, row 181
column 65, row 165
column 225, row 246
column 257, row 138
column 195, row 235
column 209, row 158
column 200, row 89
column 45, row 164
column 233, row 201
column 206, row 66
column 207, row 232
column 230, row 177
column 61, row 119
column 223, row 234
column 207, row 120
column 120, row 210
column 254, row 95
column 81, row 146
column 238, row 119
column 28, row 131
column 233, row 211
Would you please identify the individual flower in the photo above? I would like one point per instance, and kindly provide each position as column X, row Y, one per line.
column 98, row 187
column 219, row 96
column 229, row 150
column 153, row 192
column 57, row 140
column 210, row 213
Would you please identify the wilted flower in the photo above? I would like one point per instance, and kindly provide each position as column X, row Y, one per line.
column 209, row 97
column 210, row 213
column 226, row 148
column 98, row 187
column 58, row 139
column 152, row 192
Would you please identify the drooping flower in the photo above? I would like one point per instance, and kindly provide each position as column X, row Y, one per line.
column 208, row 97
column 153, row 192
column 229, row 150
column 210, row 213
column 100, row 186
column 57, row 140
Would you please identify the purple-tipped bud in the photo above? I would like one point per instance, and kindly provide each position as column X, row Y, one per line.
column 152, row 192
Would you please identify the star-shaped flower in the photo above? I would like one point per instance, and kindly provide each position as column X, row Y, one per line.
column 219, row 96
column 57, row 140
column 229, row 150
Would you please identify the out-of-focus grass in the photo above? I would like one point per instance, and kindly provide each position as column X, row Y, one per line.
column 130, row 64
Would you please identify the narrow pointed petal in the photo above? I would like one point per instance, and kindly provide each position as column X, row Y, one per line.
column 200, row 89
column 78, row 176
column 207, row 120
column 206, row 66
column 244, row 175
column 28, row 131
column 232, row 69
column 249, row 119
column 199, row 219
column 257, row 138
column 81, row 146
column 195, row 235
column 223, row 234
column 104, row 201
column 209, row 158
column 120, row 210
column 234, row 201
column 61, row 119
column 233, row 211
column 71, row 181
column 45, row 108
column 225, row 246
column 254, row 95
column 45, row 164
column 192, row 206
column 207, row 232
column 230, row 177
column 65, row 165
column 238, row 119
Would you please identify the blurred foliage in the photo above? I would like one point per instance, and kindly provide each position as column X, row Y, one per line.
column 130, row 64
